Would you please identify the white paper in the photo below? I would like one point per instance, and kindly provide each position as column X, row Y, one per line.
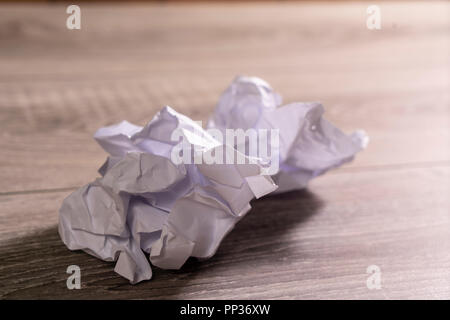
column 147, row 206
column 309, row 144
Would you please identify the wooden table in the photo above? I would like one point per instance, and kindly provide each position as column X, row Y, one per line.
column 389, row 208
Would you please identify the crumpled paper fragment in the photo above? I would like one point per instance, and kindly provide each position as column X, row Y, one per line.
column 146, row 203
column 309, row 144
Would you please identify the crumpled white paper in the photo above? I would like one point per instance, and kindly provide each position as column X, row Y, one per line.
column 309, row 144
column 148, row 203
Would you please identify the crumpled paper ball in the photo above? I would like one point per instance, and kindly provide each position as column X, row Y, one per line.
column 149, row 206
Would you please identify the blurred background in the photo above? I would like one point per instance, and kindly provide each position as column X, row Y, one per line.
column 130, row 59
column 389, row 207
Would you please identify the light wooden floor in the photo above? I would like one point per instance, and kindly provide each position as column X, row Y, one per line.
column 389, row 208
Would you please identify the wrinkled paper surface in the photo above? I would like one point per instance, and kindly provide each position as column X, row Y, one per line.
column 146, row 206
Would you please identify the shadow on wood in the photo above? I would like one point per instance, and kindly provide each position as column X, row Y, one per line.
column 35, row 266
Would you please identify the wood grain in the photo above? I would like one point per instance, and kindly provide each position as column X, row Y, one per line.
column 390, row 207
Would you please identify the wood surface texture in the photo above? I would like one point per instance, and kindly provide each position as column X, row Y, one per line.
column 390, row 207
